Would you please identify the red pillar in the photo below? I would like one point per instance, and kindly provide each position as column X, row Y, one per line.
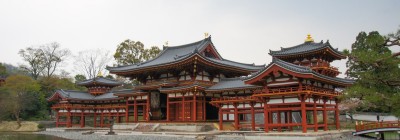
column 253, row 121
column 95, row 119
column 337, row 121
column 101, row 118
column 266, row 116
column 148, row 107
column 315, row 115
column 82, row 119
column 69, row 118
column 135, row 108
column 183, row 107
column 57, row 118
column 236, row 117
column 221, row 117
column 127, row 111
column 325, row 118
column 168, row 107
column 279, row 121
column 303, row 114
column 290, row 120
column 204, row 107
column 194, row 107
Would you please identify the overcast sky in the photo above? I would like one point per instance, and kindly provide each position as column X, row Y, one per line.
column 242, row 31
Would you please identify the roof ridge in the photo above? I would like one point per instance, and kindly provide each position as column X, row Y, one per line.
column 291, row 64
column 188, row 44
column 253, row 64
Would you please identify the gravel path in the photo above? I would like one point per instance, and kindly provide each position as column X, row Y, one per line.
column 101, row 136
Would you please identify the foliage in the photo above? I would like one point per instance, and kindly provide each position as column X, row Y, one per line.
column 34, row 57
column 3, row 70
column 53, row 55
column 44, row 59
column 130, row 52
column 91, row 62
column 377, row 71
column 79, row 78
column 21, row 95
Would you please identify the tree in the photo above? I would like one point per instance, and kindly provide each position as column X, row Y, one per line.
column 151, row 53
column 19, row 88
column 35, row 60
column 3, row 70
column 130, row 52
column 376, row 69
column 91, row 62
column 53, row 55
column 79, row 78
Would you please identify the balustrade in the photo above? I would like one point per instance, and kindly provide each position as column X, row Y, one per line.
column 376, row 125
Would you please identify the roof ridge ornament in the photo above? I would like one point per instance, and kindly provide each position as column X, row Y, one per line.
column 309, row 39
column 99, row 74
column 206, row 35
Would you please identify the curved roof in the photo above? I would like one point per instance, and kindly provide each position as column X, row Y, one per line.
column 173, row 54
column 231, row 84
column 99, row 81
column 81, row 95
column 298, row 69
column 306, row 47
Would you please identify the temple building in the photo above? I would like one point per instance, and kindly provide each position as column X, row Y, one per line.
column 194, row 83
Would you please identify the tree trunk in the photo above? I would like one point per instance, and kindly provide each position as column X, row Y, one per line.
column 16, row 114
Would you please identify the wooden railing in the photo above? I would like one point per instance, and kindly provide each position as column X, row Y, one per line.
column 360, row 126
column 297, row 89
column 232, row 98
column 70, row 106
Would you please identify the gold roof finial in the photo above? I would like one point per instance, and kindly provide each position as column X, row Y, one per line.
column 99, row 74
column 309, row 38
column 205, row 35
column 166, row 43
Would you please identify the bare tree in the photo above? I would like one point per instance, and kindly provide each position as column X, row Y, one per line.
column 53, row 55
column 34, row 57
column 91, row 62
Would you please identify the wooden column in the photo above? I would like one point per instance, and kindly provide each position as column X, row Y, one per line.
column 303, row 113
column 315, row 115
column 118, row 118
column 135, row 109
column 337, row 121
column 204, row 107
column 69, row 118
column 253, row 117
column 148, row 107
column 290, row 120
column 57, row 117
column 194, row 116
column 82, row 120
column 101, row 118
column 221, row 117
column 236, row 117
column 127, row 111
column 279, row 121
column 325, row 118
column 95, row 119
column 168, row 108
column 183, row 107
column 266, row 116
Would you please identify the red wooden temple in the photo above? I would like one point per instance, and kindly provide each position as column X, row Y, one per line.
column 193, row 83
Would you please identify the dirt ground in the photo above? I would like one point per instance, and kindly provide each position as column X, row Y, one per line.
column 13, row 126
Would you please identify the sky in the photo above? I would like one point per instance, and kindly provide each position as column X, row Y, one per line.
column 242, row 31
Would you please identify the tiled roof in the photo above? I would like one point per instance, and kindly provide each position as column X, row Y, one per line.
column 298, row 69
column 99, row 81
column 172, row 54
column 305, row 48
column 81, row 95
column 231, row 83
